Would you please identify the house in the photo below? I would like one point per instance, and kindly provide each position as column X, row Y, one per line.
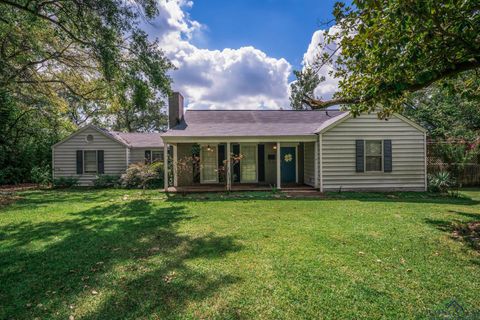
column 92, row 151
column 328, row 150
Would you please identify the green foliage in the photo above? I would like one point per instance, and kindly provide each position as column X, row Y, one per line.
column 440, row 182
column 66, row 63
column 450, row 109
column 144, row 176
column 387, row 49
column 41, row 175
column 65, row 182
column 304, row 86
column 106, row 181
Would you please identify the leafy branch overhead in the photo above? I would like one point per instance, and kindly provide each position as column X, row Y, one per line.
column 91, row 56
column 388, row 50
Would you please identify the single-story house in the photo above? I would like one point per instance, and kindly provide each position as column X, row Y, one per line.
column 92, row 151
column 327, row 150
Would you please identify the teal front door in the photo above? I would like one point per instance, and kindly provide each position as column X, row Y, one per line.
column 288, row 164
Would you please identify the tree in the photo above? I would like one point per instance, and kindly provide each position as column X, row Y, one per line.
column 389, row 49
column 449, row 110
column 67, row 62
column 93, row 51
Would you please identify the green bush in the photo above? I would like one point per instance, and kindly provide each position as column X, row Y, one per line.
column 106, row 181
column 41, row 175
column 65, row 182
column 440, row 182
column 140, row 175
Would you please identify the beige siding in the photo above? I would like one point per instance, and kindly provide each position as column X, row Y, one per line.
column 270, row 165
column 408, row 155
column 65, row 160
column 309, row 164
column 138, row 154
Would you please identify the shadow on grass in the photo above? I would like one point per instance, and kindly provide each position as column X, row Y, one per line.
column 387, row 197
column 131, row 252
column 466, row 231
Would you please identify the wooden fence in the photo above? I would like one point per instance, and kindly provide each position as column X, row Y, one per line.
column 469, row 172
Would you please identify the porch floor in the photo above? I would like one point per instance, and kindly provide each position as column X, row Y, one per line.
column 239, row 187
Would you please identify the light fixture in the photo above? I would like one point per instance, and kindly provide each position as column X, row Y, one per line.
column 209, row 148
column 274, row 147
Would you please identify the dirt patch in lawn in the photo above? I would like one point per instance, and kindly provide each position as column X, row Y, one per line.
column 468, row 232
column 7, row 198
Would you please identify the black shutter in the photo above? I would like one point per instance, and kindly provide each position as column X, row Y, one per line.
column 148, row 156
column 100, row 162
column 387, row 155
column 79, row 162
column 261, row 163
column 359, row 155
column 236, row 166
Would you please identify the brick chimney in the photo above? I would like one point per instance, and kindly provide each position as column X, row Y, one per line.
column 175, row 109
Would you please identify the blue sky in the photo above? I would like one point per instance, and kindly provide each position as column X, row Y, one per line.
column 240, row 54
column 280, row 28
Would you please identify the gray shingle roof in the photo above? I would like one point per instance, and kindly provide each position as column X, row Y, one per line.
column 139, row 140
column 214, row 123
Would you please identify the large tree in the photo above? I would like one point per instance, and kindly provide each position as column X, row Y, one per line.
column 91, row 52
column 385, row 50
column 67, row 62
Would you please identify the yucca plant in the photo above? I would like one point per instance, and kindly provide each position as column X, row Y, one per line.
column 441, row 181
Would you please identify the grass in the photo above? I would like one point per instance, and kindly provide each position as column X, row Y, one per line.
column 116, row 254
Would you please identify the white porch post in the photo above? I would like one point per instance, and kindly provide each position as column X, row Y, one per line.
column 175, row 174
column 279, row 175
column 229, row 174
column 165, row 166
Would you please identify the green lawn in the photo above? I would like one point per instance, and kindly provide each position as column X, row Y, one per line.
column 116, row 254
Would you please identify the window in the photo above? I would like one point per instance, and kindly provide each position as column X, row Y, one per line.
column 208, row 163
column 373, row 155
column 157, row 155
column 248, row 163
column 90, row 161
column 153, row 156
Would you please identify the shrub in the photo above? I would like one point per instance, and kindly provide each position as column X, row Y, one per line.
column 106, row 181
column 41, row 175
column 65, row 182
column 140, row 175
column 440, row 182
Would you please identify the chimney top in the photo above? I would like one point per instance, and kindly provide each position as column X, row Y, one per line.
column 175, row 109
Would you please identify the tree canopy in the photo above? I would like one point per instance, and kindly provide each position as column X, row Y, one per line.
column 385, row 50
column 67, row 62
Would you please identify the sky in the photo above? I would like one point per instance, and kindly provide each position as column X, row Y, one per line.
column 240, row 54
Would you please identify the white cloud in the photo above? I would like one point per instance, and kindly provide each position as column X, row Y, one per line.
column 327, row 88
column 243, row 78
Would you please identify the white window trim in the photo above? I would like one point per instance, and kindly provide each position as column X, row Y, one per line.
column 256, row 163
column 84, row 163
column 365, row 157
column 202, row 181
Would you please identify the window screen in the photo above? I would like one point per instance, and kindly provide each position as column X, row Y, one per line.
column 373, row 155
column 208, row 163
column 90, row 161
column 248, row 163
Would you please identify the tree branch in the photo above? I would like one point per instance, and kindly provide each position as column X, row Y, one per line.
column 471, row 64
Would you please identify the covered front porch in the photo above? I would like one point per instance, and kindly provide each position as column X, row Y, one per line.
column 209, row 166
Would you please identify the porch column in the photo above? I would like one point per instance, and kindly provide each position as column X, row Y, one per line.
column 279, row 174
column 228, row 164
column 165, row 166
column 175, row 174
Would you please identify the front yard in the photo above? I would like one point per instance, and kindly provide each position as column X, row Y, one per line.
column 116, row 254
